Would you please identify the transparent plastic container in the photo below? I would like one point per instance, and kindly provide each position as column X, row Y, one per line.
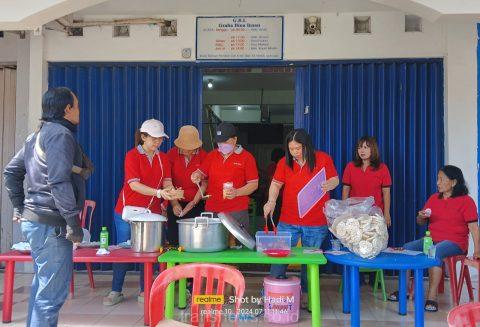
column 269, row 241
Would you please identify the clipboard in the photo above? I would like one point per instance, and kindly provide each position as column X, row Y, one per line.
column 311, row 193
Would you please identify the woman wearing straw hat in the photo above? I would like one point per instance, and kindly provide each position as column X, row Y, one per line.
column 185, row 158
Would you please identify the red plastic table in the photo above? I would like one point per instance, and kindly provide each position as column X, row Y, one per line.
column 80, row 256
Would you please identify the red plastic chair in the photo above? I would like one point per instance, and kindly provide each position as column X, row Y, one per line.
column 465, row 315
column 465, row 274
column 456, row 284
column 88, row 209
column 200, row 272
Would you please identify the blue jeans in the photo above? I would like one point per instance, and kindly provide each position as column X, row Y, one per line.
column 52, row 256
column 311, row 236
column 120, row 269
column 443, row 249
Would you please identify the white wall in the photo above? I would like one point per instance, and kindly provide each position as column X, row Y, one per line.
column 388, row 40
column 8, row 48
column 144, row 44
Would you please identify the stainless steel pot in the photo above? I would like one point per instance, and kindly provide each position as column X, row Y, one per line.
column 146, row 233
column 202, row 234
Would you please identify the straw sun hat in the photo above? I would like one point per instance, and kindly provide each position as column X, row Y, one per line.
column 188, row 138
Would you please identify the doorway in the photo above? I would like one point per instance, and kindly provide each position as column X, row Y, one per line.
column 260, row 102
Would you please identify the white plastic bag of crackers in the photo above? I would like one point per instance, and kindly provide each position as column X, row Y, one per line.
column 358, row 224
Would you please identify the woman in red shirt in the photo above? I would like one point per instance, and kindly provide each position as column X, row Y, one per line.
column 367, row 176
column 185, row 158
column 300, row 164
column 232, row 164
column 147, row 170
column 451, row 214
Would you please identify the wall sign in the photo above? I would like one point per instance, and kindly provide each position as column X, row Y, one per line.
column 239, row 38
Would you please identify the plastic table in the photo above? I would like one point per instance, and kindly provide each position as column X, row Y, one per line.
column 80, row 256
column 394, row 261
column 238, row 256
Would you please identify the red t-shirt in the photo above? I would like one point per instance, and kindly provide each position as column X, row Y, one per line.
column 450, row 217
column 181, row 171
column 367, row 183
column 138, row 168
column 240, row 168
column 293, row 181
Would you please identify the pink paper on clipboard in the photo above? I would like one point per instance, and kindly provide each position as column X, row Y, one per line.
column 311, row 193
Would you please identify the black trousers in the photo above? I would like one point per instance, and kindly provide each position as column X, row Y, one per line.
column 172, row 226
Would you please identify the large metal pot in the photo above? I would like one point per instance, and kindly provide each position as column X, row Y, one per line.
column 202, row 234
column 146, row 232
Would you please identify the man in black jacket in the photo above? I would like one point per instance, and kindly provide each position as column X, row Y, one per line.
column 49, row 211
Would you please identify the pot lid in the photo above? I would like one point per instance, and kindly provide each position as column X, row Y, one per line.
column 148, row 217
column 237, row 230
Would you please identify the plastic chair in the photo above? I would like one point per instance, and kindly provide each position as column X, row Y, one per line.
column 450, row 263
column 465, row 315
column 379, row 279
column 199, row 272
column 465, row 275
column 88, row 209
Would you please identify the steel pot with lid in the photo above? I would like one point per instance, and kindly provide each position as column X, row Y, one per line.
column 209, row 234
column 147, row 232
column 202, row 234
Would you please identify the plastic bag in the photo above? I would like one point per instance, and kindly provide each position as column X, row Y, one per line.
column 358, row 224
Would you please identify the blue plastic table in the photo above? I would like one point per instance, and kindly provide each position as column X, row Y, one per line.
column 401, row 262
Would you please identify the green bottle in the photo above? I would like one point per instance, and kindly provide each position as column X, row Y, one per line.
column 104, row 238
column 427, row 242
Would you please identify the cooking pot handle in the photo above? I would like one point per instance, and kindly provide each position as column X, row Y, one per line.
column 195, row 225
column 207, row 214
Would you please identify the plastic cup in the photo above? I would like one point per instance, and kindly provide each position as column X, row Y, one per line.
column 336, row 245
column 227, row 186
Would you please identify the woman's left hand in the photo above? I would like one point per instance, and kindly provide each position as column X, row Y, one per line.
column 388, row 219
column 231, row 193
column 177, row 210
column 329, row 185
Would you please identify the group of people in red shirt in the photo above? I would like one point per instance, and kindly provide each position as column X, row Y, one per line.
column 229, row 176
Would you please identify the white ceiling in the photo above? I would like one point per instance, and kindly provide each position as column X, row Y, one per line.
column 227, row 7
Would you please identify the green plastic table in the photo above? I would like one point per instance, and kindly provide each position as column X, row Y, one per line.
column 238, row 256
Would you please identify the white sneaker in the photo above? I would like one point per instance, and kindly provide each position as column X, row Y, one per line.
column 113, row 298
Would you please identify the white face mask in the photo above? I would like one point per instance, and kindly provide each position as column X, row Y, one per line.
column 225, row 148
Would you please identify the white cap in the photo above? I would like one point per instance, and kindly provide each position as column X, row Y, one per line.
column 154, row 128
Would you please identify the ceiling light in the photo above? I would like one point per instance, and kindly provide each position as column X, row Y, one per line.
column 210, row 84
column 239, row 107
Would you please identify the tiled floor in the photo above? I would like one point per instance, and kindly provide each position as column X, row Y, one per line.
column 86, row 308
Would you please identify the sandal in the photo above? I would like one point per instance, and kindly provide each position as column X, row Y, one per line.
column 431, row 306
column 393, row 297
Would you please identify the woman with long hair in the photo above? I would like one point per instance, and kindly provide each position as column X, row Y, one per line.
column 300, row 164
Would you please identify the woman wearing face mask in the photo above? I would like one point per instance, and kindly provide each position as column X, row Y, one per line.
column 230, row 163
column 185, row 158
column 450, row 214
column 367, row 176
column 293, row 172
column 147, row 181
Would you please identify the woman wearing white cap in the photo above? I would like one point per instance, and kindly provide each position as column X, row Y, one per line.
column 185, row 157
column 147, row 180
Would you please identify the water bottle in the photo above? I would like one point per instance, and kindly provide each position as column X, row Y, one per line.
column 427, row 242
column 104, row 238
